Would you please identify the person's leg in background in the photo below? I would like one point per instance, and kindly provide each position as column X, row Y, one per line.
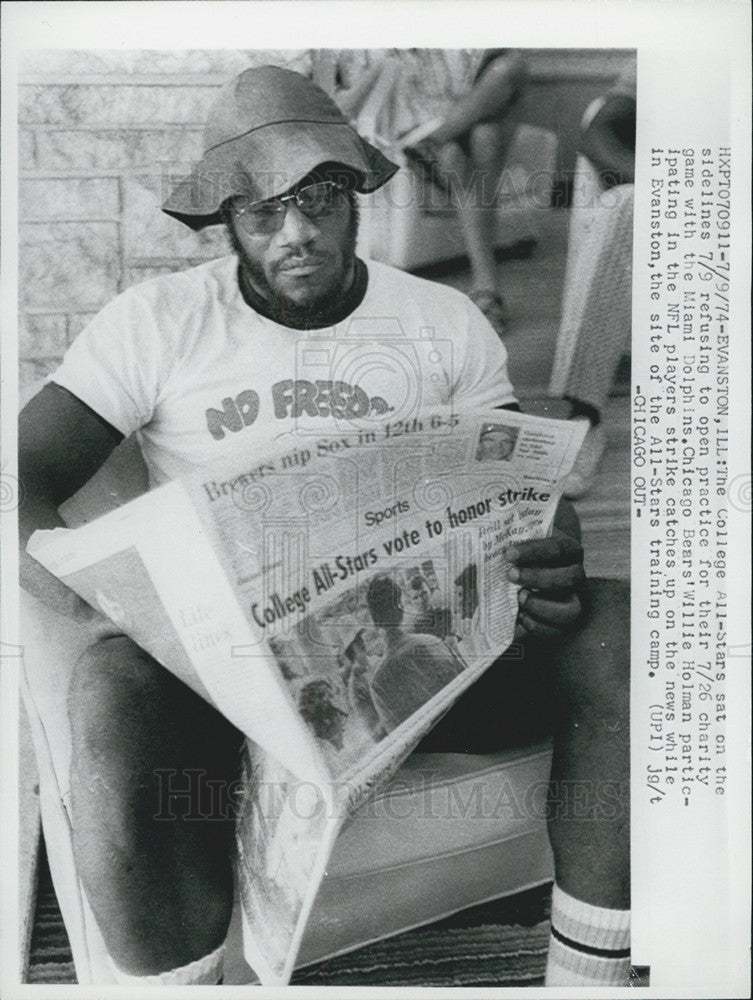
column 465, row 156
column 597, row 317
column 473, row 181
column 152, row 837
column 496, row 89
column 596, row 305
column 576, row 689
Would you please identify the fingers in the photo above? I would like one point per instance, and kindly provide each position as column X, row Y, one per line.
column 558, row 614
column 531, row 626
column 542, row 617
column 563, row 578
column 553, row 564
column 556, row 551
column 549, row 572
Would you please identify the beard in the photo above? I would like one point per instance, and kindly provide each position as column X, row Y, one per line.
column 323, row 309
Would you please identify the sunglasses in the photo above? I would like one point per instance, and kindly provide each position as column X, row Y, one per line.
column 316, row 201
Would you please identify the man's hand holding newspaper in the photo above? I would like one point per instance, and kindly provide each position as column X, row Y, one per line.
column 549, row 572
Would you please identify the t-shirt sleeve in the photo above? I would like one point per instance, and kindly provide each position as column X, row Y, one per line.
column 114, row 365
column 482, row 380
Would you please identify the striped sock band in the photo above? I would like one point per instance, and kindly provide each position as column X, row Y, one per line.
column 204, row 971
column 589, row 945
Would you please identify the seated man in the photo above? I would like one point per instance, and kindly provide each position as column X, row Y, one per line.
column 165, row 359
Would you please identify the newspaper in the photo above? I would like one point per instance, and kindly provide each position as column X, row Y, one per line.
column 690, row 867
column 342, row 594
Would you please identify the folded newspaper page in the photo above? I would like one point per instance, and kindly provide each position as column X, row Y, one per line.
column 332, row 602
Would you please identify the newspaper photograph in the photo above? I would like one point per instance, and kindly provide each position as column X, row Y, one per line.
column 375, row 497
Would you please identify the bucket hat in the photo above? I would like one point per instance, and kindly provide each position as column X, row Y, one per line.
column 268, row 128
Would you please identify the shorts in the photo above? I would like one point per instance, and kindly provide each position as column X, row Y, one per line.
column 510, row 705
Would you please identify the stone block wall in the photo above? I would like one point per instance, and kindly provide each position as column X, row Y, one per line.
column 102, row 138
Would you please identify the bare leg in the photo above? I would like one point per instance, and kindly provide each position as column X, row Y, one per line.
column 487, row 101
column 465, row 155
column 158, row 878
column 589, row 825
column 473, row 184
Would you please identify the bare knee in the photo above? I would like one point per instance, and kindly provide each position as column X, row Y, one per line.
column 490, row 143
column 506, row 71
column 118, row 694
column 136, row 728
column 454, row 163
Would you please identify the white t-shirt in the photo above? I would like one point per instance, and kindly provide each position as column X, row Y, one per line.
column 208, row 383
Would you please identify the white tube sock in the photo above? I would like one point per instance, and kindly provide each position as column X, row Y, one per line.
column 204, row 971
column 589, row 945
